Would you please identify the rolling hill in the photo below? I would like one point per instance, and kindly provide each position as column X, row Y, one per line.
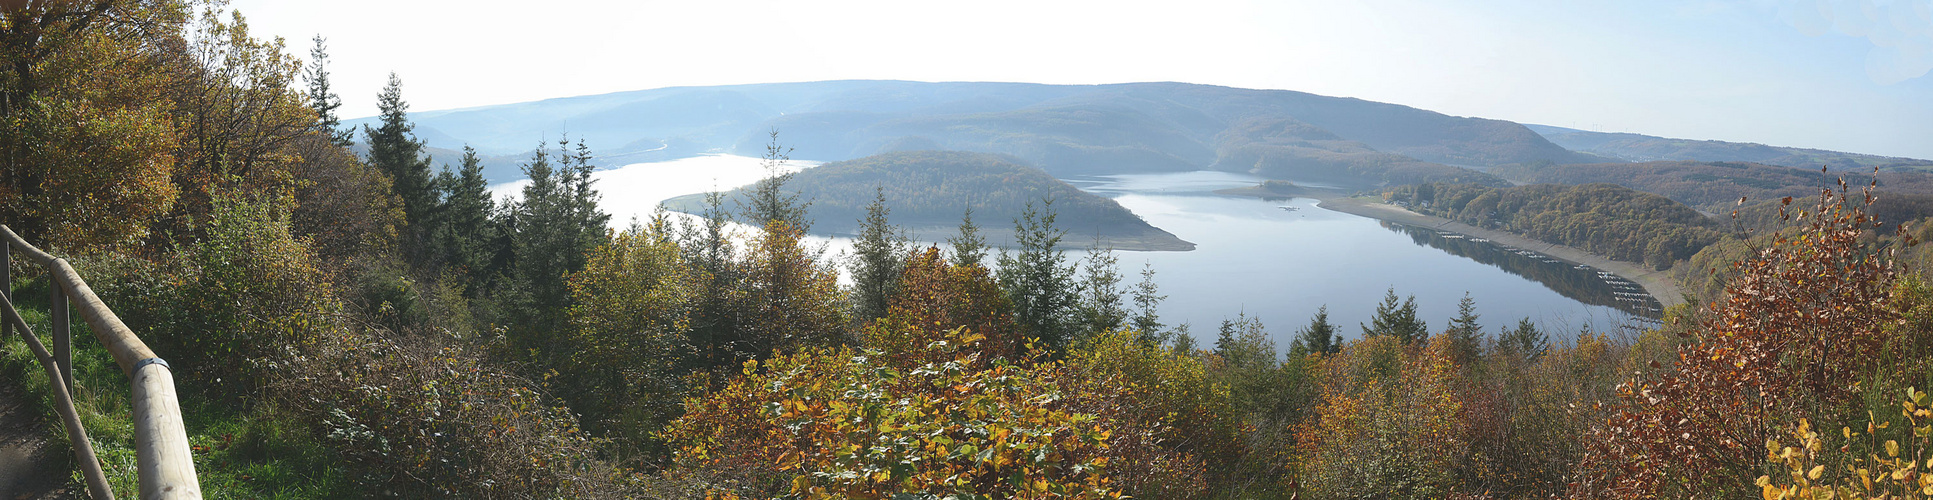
column 928, row 191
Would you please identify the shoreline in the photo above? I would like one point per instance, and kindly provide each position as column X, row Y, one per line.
column 1658, row 284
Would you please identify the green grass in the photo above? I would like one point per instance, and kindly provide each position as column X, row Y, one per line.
column 238, row 453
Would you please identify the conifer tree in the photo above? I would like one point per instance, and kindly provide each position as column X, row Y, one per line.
column 769, row 200
column 1038, row 279
column 714, row 320
column 1184, row 343
column 324, row 100
column 466, row 233
column 1525, row 340
column 877, row 264
column 969, row 248
column 394, row 150
column 1319, row 337
column 557, row 223
column 1147, row 298
column 1101, row 309
column 1466, row 334
column 1397, row 319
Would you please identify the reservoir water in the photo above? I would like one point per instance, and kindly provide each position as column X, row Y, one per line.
column 1255, row 257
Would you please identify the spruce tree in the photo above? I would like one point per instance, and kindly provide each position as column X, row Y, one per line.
column 877, row 261
column 1147, row 298
column 557, row 224
column 1319, row 337
column 395, row 151
column 969, row 248
column 1525, row 340
column 1101, row 308
column 1466, row 334
column 769, row 201
column 466, row 234
column 714, row 319
column 1038, row 280
column 324, row 100
column 1397, row 319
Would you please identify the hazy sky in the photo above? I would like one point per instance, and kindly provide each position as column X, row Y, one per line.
column 1845, row 75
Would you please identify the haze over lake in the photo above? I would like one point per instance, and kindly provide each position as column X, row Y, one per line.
column 1253, row 257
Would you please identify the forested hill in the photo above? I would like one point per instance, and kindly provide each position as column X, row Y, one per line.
column 930, row 190
column 1638, row 147
column 1604, row 219
column 1717, row 186
column 1064, row 129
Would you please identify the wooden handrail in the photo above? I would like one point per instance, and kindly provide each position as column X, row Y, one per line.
column 162, row 456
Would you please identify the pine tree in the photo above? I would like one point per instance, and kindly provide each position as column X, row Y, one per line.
column 1466, row 334
column 1397, row 319
column 1038, row 279
column 969, row 248
column 322, row 99
column 394, row 150
column 1319, row 337
column 877, row 264
column 1147, row 299
column 769, row 201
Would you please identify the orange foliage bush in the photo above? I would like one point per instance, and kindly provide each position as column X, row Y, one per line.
column 935, row 297
column 1800, row 325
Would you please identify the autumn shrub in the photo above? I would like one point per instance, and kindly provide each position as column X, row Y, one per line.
column 791, row 298
column 934, row 298
column 843, row 423
column 1804, row 322
column 1387, row 425
column 1886, row 456
column 629, row 319
column 1176, row 431
column 417, row 419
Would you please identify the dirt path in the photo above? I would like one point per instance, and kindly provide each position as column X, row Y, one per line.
column 31, row 466
column 1657, row 283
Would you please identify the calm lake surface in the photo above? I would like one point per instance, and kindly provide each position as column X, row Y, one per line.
column 1254, row 257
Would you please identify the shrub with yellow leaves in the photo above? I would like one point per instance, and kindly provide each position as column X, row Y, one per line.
column 1882, row 461
column 844, row 423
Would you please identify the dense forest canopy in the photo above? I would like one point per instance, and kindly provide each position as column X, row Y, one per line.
column 1603, row 219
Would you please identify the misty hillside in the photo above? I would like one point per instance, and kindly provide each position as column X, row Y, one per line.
column 1064, row 129
column 928, row 191
column 1638, row 147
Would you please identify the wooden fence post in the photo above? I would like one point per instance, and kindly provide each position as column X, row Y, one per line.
column 6, row 282
column 57, row 316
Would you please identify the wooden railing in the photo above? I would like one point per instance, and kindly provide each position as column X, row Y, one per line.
column 162, row 457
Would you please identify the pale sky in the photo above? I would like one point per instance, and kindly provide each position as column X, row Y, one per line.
column 1842, row 75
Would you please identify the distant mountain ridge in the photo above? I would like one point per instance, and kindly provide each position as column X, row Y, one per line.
column 1646, row 148
column 1063, row 129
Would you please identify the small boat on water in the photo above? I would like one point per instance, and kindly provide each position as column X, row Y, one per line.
column 1288, row 208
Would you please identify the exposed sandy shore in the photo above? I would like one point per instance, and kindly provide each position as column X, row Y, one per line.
column 1657, row 283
